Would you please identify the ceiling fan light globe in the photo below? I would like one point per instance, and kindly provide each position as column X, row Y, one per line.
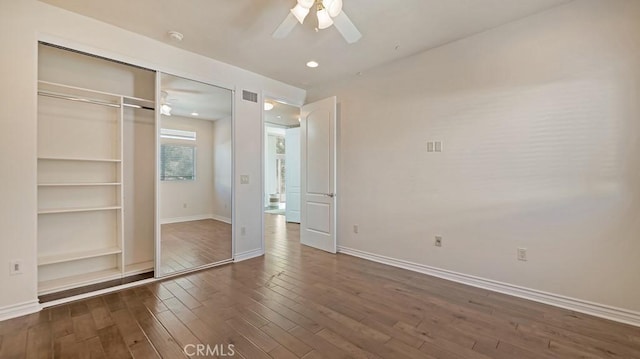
column 165, row 110
column 324, row 20
column 300, row 12
column 307, row 4
column 334, row 7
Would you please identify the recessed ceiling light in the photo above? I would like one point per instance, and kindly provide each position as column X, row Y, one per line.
column 279, row 116
column 312, row 64
column 195, row 114
column 268, row 106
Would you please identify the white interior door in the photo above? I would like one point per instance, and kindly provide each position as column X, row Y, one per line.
column 318, row 179
column 292, row 165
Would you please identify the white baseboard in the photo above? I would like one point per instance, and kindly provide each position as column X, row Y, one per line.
column 18, row 310
column 239, row 257
column 198, row 217
column 598, row 310
column 221, row 218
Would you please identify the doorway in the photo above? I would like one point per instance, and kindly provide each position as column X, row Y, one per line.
column 282, row 160
column 304, row 196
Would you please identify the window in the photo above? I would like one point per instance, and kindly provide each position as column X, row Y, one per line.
column 177, row 163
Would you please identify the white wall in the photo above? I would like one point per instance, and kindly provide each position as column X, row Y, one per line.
column 222, row 169
column 139, row 185
column 187, row 200
column 22, row 24
column 540, row 124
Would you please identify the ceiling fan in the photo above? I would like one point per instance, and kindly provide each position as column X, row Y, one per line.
column 328, row 12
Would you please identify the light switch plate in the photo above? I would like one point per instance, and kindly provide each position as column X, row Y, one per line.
column 438, row 146
column 430, row 146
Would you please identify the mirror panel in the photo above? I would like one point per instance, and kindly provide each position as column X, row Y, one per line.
column 194, row 175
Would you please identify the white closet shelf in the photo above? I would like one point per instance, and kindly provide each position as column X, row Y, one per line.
column 74, row 256
column 138, row 102
column 86, row 184
column 74, row 210
column 74, row 90
column 78, row 94
column 137, row 268
column 79, row 280
column 82, row 159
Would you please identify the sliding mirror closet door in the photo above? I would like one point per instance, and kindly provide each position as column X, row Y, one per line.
column 194, row 175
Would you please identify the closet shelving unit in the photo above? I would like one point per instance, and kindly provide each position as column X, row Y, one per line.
column 80, row 180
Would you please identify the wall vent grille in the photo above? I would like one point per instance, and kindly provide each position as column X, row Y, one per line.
column 249, row 96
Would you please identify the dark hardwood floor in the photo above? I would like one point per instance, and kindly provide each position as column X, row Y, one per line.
column 187, row 245
column 297, row 302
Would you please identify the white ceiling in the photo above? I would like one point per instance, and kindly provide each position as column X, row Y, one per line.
column 239, row 32
column 187, row 96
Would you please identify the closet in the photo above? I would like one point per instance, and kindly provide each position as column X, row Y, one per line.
column 96, row 169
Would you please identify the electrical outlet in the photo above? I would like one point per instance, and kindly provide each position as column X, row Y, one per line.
column 438, row 241
column 356, row 229
column 243, row 231
column 522, row 254
column 16, row 267
column 244, row 179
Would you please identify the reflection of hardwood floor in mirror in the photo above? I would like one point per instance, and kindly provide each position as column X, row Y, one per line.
column 192, row 244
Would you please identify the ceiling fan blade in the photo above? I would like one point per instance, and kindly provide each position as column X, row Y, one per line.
column 346, row 28
column 285, row 28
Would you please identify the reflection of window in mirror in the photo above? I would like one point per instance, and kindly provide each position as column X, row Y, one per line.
column 177, row 162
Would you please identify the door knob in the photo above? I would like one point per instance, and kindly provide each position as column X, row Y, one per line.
column 330, row 195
